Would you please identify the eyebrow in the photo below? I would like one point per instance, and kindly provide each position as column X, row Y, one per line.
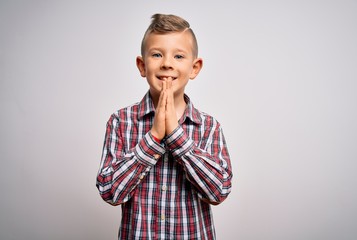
column 162, row 50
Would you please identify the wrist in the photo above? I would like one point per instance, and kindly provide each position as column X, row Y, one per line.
column 171, row 128
column 155, row 136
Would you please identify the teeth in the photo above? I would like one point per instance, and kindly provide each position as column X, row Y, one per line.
column 165, row 78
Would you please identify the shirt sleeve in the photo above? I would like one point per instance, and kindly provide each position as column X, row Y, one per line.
column 208, row 169
column 120, row 170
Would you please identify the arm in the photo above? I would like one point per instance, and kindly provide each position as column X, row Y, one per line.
column 209, row 169
column 120, row 170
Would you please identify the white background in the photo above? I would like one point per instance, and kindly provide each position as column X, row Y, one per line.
column 280, row 76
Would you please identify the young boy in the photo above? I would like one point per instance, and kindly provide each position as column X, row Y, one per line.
column 163, row 160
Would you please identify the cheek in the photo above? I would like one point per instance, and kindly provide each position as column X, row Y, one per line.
column 150, row 67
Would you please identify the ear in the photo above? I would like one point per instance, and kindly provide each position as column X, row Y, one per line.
column 141, row 65
column 196, row 68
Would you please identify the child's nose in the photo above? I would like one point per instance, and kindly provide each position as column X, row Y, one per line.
column 166, row 63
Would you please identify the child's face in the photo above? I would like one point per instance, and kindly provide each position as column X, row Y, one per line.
column 168, row 55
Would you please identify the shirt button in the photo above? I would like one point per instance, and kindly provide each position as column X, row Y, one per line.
column 141, row 176
column 162, row 217
column 156, row 156
column 164, row 188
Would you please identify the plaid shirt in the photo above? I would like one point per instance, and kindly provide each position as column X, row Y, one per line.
column 164, row 188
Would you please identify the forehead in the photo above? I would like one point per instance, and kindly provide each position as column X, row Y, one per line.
column 182, row 40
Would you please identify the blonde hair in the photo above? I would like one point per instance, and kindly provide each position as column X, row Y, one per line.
column 164, row 24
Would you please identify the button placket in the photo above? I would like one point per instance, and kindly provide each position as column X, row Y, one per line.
column 166, row 157
column 163, row 186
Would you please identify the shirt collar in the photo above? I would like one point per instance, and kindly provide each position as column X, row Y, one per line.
column 191, row 112
column 146, row 107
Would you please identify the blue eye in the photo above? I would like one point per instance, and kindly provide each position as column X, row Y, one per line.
column 156, row 55
column 179, row 56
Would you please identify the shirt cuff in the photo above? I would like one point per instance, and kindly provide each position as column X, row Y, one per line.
column 178, row 142
column 148, row 151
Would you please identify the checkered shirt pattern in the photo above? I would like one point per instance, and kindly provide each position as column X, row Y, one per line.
column 165, row 188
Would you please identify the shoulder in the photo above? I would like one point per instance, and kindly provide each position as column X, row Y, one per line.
column 128, row 110
column 200, row 117
column 127, row 113
column 207, row 120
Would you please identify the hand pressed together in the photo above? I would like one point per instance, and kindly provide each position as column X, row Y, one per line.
column 165, row 120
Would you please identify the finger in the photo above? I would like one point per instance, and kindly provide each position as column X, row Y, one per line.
column 164, row 83
column 170, row 106
column 158, row 128
column 169, row 82
column 170, row 91
column 161, row 100
column 171, row 117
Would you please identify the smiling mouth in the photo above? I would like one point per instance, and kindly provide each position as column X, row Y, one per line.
column 162, row 78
